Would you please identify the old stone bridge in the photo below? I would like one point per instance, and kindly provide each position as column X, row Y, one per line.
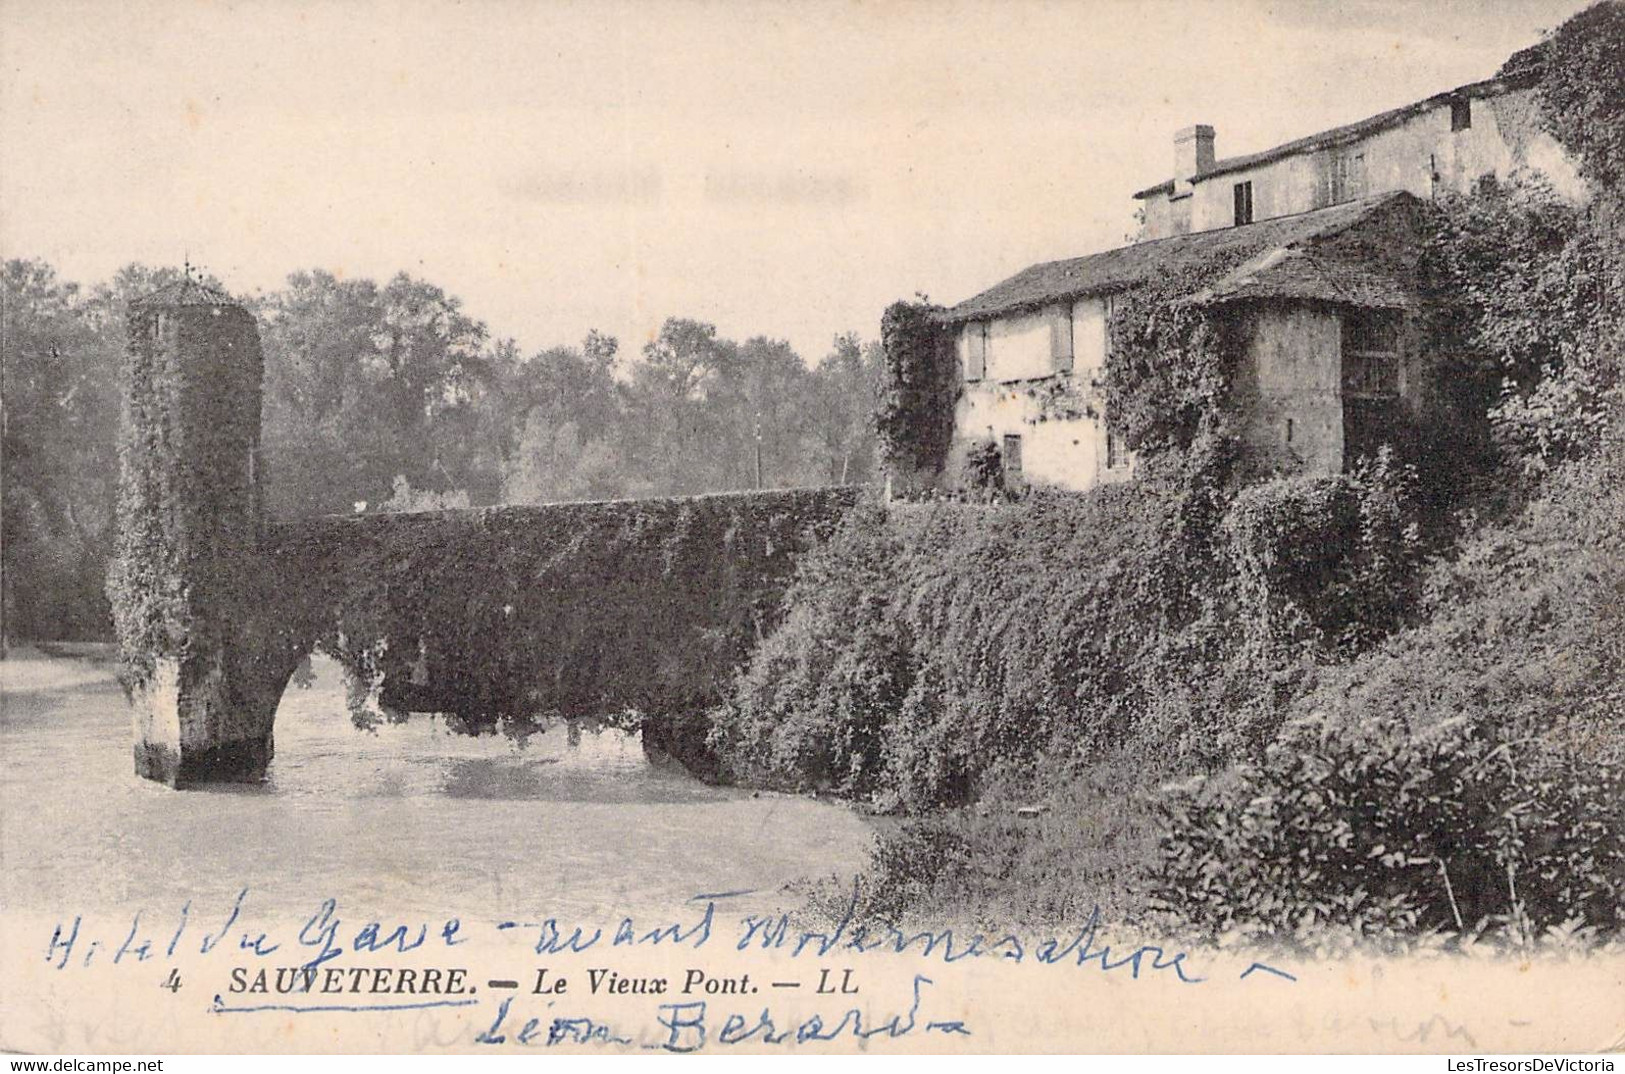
column 483, row 615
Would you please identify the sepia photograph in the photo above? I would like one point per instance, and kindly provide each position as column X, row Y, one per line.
column 858, row 526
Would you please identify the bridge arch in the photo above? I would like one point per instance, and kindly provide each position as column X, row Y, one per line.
column 585, row 609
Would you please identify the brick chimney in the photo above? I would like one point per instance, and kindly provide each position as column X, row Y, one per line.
column 1193, row 155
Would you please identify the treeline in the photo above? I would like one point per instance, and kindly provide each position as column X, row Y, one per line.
column 393, row 397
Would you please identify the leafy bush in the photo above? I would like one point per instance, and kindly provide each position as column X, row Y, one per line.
column 1332, row 563
column 1484, row 744
column 1533, row 318
column 1582, row 89
column 934, row 650
column 1370, row 826
column 931, row 652
column 983, row 471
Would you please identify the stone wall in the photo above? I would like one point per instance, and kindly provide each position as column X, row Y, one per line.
column 1291, row 372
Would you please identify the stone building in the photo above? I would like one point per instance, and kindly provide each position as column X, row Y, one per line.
column 1312, row 244
column 1445, row 144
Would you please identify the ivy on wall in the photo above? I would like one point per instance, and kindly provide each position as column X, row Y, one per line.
column 192, row 392
column 499, row 616
column 915, row 414
column 1582, row 90
column 1171, row 364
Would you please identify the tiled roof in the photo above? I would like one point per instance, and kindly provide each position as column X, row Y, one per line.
column 1511, row 78
column 185, row 292
column 1344, row 253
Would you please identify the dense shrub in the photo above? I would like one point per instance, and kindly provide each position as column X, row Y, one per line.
column 1483, row 744
column 1582, row 89
column 1533, row 327
column 982, row 473
column 932, row 651
column 1332, row 563
column 1365, row 824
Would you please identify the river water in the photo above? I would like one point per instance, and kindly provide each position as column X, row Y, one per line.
column 410, row 817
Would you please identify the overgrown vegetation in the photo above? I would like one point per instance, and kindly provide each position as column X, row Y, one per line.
column 1171, row 365
column 505, row 616
column 1401, row 688
column 183, row 530
column 1326, row 565
column 1381, row 827
column 939, row 650
column 914, row 413
column 1483, row 745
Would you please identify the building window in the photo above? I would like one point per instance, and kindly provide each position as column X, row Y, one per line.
column 1244, row 203
column 1060, row 338
column 1116, row 451
column 1012, row 453
column 1371, row 353
column 975, row 350
column 1345, row 177
column 1461, row 113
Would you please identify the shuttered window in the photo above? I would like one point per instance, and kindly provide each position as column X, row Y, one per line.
column 1012, row 453
column 1116, row 451
column 1060, row 339
column 1345, row 177
column 975, row 351
column 1244, row 202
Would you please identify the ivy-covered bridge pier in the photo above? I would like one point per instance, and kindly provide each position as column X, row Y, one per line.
column 484, row 615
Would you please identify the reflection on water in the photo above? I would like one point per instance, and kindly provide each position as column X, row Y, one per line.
column 317, row 754
column 410, row 816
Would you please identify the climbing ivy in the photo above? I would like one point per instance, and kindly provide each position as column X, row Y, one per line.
column 502, row 616
column 1171, row 365
column 176, row 571
column 1582, row 90
column 915, row 414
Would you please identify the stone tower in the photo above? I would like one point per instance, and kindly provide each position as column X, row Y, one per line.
column 183, row 582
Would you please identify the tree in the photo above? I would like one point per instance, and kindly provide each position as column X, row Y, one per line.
column 366, row 384
column 59, row 461
column 845, row 389
column 569, row 422
column 673, row 431
column 766, row 408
